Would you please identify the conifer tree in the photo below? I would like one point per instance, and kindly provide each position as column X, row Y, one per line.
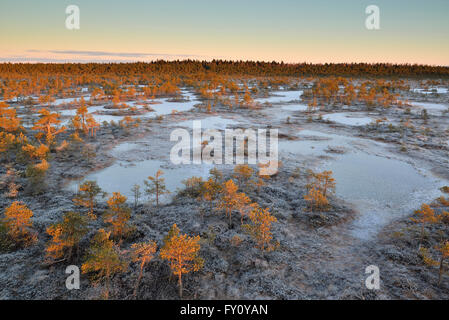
column 181, row 251
column 142, row 253
column 156, row 185
column 104, row 260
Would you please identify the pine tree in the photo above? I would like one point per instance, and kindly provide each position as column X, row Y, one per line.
column 181, row 252
column 86, row 197
column 260, row 226
column 316, row 200
column 66, row 235
column 9, row 122
column 118, row 215
column 104, row 260
column 48, row 125
column 18, row 222
column 142, row 253
column 156, row 185
column 426, row 215
column 228, row 201
column 243, row 173
column 137, row 193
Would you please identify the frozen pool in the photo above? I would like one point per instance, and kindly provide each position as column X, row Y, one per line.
column 122, row 176
column 294, row 107
column 283, row 112
column 382, row 188
column 212, row 122
column 432, row 108
column 282, row 96
column 165, row 107
column 438, row 90
column 350, row 119
column 72, row 112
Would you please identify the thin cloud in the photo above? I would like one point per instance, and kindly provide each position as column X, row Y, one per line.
column 116, row 54
column 85, row 56
column 52, row 60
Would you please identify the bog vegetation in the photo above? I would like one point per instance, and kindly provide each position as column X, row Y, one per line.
column 104, row 223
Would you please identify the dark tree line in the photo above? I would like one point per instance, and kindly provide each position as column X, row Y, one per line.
column 250, row 68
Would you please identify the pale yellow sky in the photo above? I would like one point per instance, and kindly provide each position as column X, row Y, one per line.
column 285, row 30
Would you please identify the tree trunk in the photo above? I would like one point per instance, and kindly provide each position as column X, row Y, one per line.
column 91, row 204
column 441, row 270
column 70, row 253
column 422, row 235
column 138, row 280
column 106, row 294
column 180, row 284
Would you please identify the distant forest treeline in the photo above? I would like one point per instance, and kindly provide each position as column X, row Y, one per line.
column 248, row 68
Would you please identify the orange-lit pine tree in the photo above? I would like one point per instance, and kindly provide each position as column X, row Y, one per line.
column 260, row 226
column 243, row 173
column 181, row 251
column 18, row 222
column 316, row 200
column 142, row 253
column 118, row 215
column 211, row 189
column 48, row 125
column 228, row 201
column 243, row 205
column 426, row 215
column 66, row 235
column 9, row 122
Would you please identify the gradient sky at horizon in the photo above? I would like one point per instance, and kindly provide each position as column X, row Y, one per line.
column 412, row 31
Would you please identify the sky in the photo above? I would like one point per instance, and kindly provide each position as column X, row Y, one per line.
column 318, row 31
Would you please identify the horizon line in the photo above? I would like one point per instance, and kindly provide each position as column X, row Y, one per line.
column 63, row 61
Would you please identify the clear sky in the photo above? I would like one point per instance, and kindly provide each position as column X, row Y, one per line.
column 411, row 31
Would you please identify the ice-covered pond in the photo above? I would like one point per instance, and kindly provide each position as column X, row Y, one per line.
column 122, row 176
column 382, row 187
column 432, row 108
column 347, row 118
column 284, row 111
column 282, row 96
column 211, row 122
column 437, row 90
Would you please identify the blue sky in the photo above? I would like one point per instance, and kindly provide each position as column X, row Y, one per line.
column 411, row 31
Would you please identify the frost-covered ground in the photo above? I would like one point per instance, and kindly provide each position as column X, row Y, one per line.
column 382, row 176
